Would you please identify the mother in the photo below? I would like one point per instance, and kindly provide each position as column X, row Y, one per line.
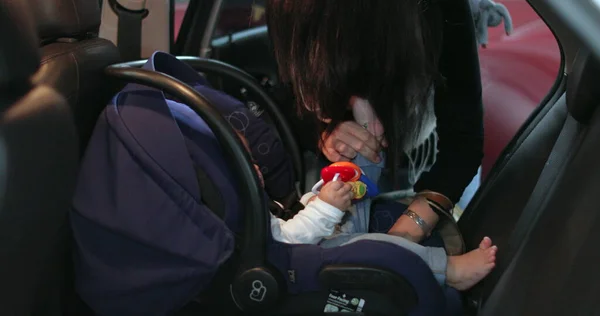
column 415, row 66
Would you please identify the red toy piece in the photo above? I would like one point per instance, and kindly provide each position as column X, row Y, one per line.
column 348, row 172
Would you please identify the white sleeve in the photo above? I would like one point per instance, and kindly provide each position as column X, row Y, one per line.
column 309, row 226
column 307, row 196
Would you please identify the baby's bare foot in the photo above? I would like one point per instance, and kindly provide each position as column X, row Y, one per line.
column 466, row 270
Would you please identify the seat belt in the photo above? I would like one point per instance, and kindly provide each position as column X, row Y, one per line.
column 130, row 14
column 535, row 207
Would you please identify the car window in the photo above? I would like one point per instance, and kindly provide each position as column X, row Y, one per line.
column 180, row 7
column 235, row 16
column 517, row 72
column 239, row 15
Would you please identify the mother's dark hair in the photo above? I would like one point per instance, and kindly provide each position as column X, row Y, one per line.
column 385, row 51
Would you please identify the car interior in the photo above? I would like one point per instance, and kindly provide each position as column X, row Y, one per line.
column 65, row 59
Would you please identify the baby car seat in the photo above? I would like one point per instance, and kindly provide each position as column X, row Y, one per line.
column 159, row 221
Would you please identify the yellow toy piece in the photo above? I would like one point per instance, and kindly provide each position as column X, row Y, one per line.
column 359, row 189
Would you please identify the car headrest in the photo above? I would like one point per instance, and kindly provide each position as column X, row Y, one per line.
column 583, row 95
column 19, row 50
column 65, row 18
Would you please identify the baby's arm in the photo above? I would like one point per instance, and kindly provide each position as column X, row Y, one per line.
column 318, row 219
column 315, row 222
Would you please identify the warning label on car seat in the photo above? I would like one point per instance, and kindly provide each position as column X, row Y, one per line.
column 340, row 302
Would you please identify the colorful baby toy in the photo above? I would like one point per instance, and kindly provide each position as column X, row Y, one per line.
column 348, row 172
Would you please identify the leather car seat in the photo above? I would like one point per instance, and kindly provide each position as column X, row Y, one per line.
column 38, row 165
column 74, row 58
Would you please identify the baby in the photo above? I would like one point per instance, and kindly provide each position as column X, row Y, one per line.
column 324, row 211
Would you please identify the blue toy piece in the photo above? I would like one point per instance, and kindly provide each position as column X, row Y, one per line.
column 372, row 189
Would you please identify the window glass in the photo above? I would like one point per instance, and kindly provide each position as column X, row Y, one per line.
column 235, row 16
column 180, row 8
column 239, row 15
column 517, row 72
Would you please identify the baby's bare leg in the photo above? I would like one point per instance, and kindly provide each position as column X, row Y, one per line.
column 407, row 228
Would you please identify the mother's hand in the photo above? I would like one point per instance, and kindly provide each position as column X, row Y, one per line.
column 347, row 140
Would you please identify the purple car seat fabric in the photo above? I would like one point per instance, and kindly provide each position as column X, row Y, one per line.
column 147, row 240
column 137, row 211
column 141, row 229
column 307, row 260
